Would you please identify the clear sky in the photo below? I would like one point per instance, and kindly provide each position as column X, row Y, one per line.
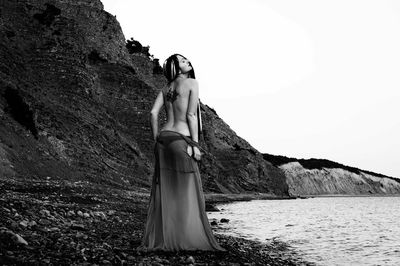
column 304, row 79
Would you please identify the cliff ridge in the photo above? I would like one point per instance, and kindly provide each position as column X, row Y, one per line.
column 74, row 105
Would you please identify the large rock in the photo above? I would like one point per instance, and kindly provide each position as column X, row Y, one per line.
column 10, row 239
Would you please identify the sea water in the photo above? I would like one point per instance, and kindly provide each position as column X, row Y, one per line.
column 323, row 230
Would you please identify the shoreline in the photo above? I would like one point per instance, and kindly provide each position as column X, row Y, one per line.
column 225, row 227
column 274, row 248
column 215, row 198
column 224, row 198
column 350, row 195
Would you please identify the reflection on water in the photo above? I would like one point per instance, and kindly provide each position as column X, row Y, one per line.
column 327, row 231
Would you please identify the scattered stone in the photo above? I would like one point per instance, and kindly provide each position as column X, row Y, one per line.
column 14, row 225
column 107, row 245
column 52, row 218
column 190, row 260
column 80, row 213
column 77, row 226
column 70, row 213
column 24, row 223
column 211, row 208
column 56, row 215
column 32, row 223
column 111, row 212
column 102, row 215
column 224, row 220
column 44, row 222
column 11, row 238
column 86, row 215
column 81, row 235
column 45, row 212
column 214, row 223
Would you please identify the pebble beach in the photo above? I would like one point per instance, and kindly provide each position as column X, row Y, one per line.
column 55, row 222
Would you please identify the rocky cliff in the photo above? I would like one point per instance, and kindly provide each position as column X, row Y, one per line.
column 74, row 105
column 322, row 177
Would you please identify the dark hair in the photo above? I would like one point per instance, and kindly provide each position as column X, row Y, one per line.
column 171, row 68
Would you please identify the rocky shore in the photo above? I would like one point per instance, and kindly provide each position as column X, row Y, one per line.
column 79, row 223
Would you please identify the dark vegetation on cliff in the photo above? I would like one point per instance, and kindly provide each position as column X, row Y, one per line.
column 313, row 163
column 135, row 47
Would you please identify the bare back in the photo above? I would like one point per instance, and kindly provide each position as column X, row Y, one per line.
column 176, row 103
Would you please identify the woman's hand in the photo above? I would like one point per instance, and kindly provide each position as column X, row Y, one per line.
column 196, row 153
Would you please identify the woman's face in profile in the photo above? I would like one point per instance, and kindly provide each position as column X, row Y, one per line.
column 184, row 64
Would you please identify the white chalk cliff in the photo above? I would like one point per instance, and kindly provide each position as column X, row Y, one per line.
column 303, row 181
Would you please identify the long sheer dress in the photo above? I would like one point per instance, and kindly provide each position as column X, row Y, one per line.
column 176, row 218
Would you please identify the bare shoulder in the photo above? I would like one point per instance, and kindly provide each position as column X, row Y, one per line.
column 193, row 84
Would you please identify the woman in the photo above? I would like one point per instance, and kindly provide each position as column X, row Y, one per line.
column 176, row 218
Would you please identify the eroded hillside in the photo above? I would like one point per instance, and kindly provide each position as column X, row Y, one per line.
column 74, row 105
